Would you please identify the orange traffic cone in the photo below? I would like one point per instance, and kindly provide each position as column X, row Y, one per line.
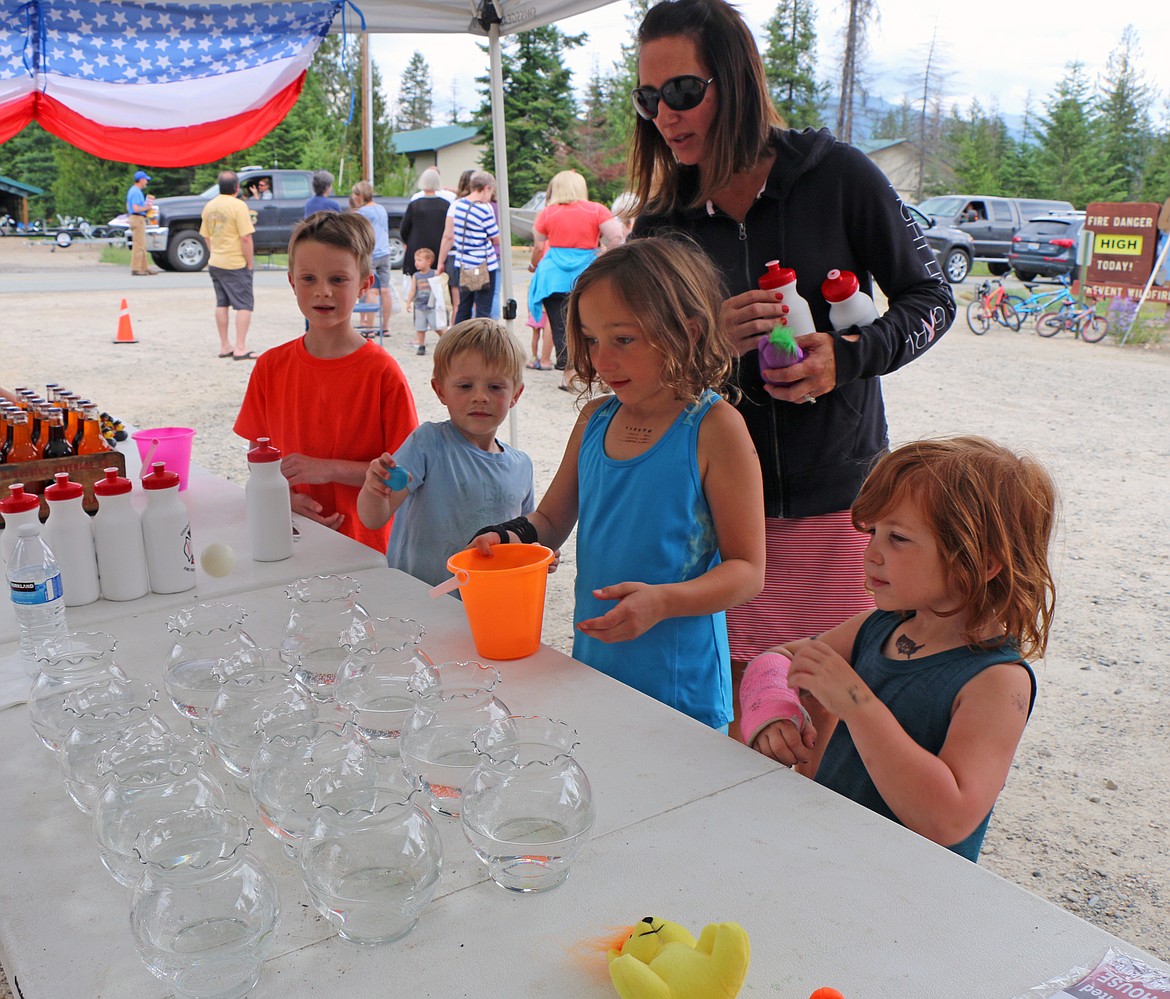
column 125, row 330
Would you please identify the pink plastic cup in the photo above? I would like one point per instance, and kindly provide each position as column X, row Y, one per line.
column 173, row 447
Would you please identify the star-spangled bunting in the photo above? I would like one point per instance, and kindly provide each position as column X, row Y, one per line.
column 154, row 83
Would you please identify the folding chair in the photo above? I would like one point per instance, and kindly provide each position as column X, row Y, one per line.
column 363, row 310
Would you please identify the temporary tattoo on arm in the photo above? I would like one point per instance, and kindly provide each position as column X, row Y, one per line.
column 906, row 646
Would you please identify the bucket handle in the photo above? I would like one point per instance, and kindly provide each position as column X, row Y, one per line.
column 461, row 578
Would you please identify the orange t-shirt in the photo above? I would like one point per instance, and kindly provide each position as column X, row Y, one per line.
column 575, row 224
column 352, row 408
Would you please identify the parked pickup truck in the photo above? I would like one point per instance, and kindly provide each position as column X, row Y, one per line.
column 274, row 219
column 990, row 221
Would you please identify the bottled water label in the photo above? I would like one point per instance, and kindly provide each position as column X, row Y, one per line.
column 36, row 593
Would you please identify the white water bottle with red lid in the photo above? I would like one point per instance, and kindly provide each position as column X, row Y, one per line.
column 117, row 535
column 779, row 348
column 69, row 534
column 269, row 504
column 166, row 532
column 17, row 508
column 848, row 304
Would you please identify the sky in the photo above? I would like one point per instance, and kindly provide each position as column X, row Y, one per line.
column 1000, row 53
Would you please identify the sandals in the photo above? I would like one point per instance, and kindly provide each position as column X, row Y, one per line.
column 249, row 356
column 228, row 354
column 535, row 365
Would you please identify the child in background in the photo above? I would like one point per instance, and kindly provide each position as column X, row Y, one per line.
column 421, row 299
column 330, row 400
column 659, row 477
column 460, row 474
column 915, row 709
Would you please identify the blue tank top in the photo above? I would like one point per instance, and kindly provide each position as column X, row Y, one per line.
column 920, row 693
column 646, row 519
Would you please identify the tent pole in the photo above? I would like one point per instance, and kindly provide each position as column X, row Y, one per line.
column 367, row 112
column 499, row 142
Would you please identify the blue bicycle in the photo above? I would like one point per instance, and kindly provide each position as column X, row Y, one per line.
column 1041, row 303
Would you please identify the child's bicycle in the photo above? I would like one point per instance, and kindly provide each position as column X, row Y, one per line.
column 1039, row 302
column 1081, row 321
column 991, row 305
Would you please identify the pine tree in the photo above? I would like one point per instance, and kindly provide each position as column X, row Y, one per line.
column 790, row 61
column 1070, row 164
column 415, row 99
column 600, row 160
column 538, row 108
column 1122, row 127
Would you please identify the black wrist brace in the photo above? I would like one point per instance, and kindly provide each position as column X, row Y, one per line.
column 520, row 526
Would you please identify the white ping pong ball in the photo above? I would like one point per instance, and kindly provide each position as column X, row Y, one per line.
column 217, row 559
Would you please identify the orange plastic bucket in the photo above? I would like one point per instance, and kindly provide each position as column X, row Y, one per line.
column 504, row 597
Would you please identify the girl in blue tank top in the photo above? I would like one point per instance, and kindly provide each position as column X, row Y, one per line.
column 915, row 709
column 660, row 478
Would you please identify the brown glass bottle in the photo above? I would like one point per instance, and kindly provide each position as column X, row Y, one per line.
column 58, row 446
column 92, row 441
column 23, row 449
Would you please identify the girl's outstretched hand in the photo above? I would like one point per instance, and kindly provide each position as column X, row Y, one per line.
column 817, row 670
column 638, row 610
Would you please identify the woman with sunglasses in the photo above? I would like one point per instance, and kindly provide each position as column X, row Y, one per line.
column 711, row 160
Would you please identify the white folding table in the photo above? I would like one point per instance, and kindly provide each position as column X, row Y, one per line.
column 691, row 826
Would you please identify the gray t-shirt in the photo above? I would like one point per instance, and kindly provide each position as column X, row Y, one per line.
column 455, row 489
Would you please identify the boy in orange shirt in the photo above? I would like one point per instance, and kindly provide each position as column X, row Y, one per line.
column 331, row 400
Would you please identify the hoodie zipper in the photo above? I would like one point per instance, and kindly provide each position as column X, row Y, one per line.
column 773, row 414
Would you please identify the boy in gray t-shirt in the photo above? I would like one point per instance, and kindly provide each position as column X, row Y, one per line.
column 421, row 299
column 460, row 476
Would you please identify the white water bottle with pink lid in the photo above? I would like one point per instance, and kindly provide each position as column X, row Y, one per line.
column 269, row 504
column 17, row 508
column 69, row 534
column 117, row 535
column 166, row 532
column 848, row 304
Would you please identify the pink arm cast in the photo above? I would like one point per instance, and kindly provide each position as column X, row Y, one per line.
column 764, row 696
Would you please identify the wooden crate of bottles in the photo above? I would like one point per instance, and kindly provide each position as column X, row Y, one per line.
column 84, row 468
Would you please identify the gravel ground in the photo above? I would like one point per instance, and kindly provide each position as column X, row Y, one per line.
column 1082, row 821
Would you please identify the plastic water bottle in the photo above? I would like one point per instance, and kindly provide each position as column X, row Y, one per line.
column 19, row 508
column 848, row 304
column 166, row 531
column 117, row 536
column 269, row 505
column 69, row 534
column 779, row 349
column 38, row 599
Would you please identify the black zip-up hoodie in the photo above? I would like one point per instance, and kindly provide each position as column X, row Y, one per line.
column 824, row 205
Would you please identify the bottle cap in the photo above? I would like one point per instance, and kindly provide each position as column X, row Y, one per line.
column 113, row 484
column 160, row 478
column 776, row 276
column 839, row 285
column 63, row 489
column 263, row 451
column 18, row 500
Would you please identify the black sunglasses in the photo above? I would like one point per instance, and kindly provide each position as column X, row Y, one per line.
column 679, row 93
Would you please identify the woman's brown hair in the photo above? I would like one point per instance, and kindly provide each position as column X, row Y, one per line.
column 676, row 293
column 987, row 507
column 739, row 134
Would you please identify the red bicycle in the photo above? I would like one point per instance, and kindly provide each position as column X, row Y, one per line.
column 991, row 305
